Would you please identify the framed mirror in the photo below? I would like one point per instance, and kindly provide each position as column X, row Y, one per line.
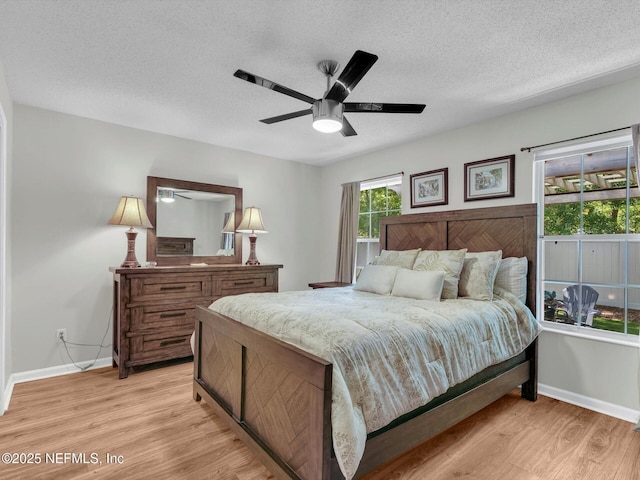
column 193, row 222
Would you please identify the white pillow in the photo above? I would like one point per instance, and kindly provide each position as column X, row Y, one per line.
column 512, row 276
column 376, row 279
column 398, row 258
column 450, row 261
column 421, row 285
column 479, row 274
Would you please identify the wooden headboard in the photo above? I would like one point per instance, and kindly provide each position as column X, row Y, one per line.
column 511, row 229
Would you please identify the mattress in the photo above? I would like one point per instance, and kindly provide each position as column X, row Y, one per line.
column 390, row 355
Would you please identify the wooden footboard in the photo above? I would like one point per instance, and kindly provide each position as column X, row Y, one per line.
column 276, row 398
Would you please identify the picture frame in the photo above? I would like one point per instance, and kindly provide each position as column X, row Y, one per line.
column 490, row 178
column 430, row 188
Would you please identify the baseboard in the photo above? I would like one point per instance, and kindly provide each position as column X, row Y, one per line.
column 47, row 373
column 58, row 370
column 7, row 396
column 611, row 409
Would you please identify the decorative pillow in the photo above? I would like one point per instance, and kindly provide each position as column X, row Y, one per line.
column 376, row 279
column 449, row 261
column 479, row 274
column 421, row 285
column 512, row 276
column 398, row 258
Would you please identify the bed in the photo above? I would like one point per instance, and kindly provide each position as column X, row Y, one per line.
column 277, row 397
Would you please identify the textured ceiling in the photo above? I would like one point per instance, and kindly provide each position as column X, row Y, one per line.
column 167, row 66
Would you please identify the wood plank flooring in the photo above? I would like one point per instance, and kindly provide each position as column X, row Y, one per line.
column 153, row 429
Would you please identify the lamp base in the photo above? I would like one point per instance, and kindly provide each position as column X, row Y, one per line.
column 130, row 260
column 252, row 260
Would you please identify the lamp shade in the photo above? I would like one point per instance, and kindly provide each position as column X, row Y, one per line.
column 230, row 226
column 251, row 221
column 131, row 212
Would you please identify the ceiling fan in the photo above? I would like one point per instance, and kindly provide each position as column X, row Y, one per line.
column 328, row 111
column 167, row 195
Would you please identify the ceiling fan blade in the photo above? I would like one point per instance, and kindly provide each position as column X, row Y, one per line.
column 357, row 67
column 347, row 129
column 263, row 82
column 286, row 116
column 384, row 107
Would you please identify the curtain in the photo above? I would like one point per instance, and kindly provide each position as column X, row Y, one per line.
column 635, row 153
column 348, row 232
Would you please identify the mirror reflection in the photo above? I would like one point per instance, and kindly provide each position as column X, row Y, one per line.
column 196, row 223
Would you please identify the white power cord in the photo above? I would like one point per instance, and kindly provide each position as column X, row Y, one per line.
column 86, row 367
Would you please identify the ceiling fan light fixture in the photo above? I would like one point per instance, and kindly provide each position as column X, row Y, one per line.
column 327, row 115
column 166, row 196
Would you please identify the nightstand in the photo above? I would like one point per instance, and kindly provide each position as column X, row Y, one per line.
column 328, row 284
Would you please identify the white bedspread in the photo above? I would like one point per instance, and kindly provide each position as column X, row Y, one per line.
column 390, row 355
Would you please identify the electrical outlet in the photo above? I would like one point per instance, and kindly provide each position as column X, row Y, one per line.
column 61, row 334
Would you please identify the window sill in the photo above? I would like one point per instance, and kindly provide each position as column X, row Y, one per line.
column 592, row 334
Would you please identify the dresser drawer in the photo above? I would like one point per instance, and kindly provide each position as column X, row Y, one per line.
column 169, row 287
column 159, row 346
column 254, row 282
column 161, row 316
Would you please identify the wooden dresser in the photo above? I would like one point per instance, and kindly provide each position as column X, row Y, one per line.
column 154, row 308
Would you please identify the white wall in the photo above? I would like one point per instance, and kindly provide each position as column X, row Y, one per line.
column 69, row 174
column 606, row 372
column 6, row 107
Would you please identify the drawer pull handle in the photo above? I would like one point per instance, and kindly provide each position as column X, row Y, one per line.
column 250, row 282
column 169, row 315
column 174, row 341
column 178, row 287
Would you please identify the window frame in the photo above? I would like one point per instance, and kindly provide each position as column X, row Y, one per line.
column 603, row 142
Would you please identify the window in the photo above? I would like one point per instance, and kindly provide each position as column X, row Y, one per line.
column 378, row 198
column 590, row 244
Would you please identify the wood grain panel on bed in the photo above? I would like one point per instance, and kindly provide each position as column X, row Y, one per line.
column 417, row 234
column 277, row 405
column 275, row 397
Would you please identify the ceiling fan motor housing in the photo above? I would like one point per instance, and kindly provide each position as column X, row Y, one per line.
column 327, row 115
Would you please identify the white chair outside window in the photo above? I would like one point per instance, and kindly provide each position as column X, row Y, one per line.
column 580, row 307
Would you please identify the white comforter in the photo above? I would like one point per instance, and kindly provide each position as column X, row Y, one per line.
column 390, row 355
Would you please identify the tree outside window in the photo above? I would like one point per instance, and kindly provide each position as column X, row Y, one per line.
column 377, row 199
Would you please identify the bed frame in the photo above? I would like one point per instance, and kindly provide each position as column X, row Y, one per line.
column 277, row 398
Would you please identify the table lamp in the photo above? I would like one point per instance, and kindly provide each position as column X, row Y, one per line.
column 252, row 223
column 130, row 211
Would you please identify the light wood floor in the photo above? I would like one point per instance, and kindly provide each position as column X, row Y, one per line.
column 152, row 422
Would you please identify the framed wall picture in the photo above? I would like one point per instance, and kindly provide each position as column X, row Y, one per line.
column 430, row 188
column 491, row 178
